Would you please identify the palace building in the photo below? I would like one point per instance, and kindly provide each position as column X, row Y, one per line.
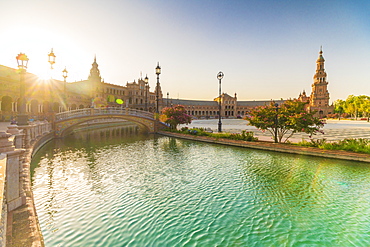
column 43, row 98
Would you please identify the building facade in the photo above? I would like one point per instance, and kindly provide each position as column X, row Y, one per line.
column 44, row 98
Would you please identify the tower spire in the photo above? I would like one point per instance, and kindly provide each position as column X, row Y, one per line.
column 94, row 72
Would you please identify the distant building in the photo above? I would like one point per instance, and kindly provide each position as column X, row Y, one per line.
column 230, row 106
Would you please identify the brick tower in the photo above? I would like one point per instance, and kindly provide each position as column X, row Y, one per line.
column 319, row 99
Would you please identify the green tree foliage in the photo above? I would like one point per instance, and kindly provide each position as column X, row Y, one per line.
column 339, row 106
column 354, row 106
column 290, row 117
column 174, row 116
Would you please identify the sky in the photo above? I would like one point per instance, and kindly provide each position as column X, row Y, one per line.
column 266, row 49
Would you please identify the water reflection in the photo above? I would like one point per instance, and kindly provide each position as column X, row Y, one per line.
column 140, row 190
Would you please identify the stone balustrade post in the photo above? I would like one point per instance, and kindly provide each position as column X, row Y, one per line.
column 18, row 135
column 15, row 197
column 44, row 127
column 26, row 136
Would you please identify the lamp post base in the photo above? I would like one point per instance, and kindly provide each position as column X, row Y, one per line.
column 219, row 127
column 22, row 119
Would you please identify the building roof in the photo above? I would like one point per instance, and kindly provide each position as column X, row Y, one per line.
column 251, row 103
column 190, row 102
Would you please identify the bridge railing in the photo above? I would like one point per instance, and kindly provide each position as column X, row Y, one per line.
column 102, row 111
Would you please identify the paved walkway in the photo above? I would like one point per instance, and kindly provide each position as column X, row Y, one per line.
column 334, row 130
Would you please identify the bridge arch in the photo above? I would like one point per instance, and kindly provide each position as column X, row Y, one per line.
column 68, row 129
column 66, row 121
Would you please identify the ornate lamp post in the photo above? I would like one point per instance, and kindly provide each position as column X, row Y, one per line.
column 65, row 75
column 51, row 60
column 146, row 80
column 276, row 122
column 22, row 117
column 220, row 75
column 158, row 72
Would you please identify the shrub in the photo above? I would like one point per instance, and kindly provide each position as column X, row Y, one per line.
column 354, row 145
column 244, row 136
column 312, row 143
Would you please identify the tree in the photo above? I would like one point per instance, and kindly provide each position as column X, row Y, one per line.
column 289, row 118
column 356, row 106
column 352, row 105
column 339, row 106
column 174, row 116
column 365, row 107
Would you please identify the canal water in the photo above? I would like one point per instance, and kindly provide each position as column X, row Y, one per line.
column 123, row 188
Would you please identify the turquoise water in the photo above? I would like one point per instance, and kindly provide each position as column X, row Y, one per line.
column 137, row 190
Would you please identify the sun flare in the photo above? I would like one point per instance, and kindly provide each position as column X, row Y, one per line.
column 36, row 43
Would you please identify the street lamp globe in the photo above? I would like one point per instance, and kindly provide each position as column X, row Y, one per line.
column 22, row 61
column 65, row 73
column 146, row 79
column 51, row 58
column 220, row 75
column 158, row 69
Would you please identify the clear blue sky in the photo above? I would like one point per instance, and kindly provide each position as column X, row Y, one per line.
column 266, row 49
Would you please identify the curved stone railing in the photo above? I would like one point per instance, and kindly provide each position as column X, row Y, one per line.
column 16, row 149
column 102, row 111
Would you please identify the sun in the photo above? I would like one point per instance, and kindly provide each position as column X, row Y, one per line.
column 43, row 74
column 37, row 43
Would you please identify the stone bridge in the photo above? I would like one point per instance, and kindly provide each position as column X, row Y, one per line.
column 66, row 121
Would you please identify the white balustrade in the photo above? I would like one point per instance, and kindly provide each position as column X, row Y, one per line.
column 102, row 111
